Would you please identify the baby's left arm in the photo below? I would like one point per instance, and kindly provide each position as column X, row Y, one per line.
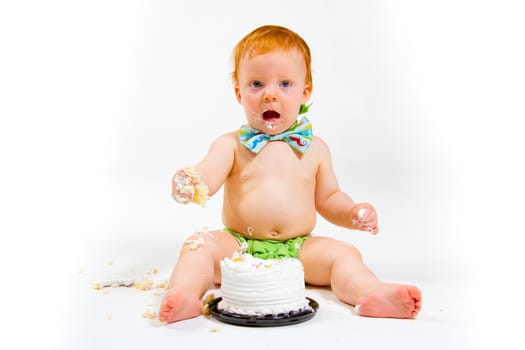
column 335, row 205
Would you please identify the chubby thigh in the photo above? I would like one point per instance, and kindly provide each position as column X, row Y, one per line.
column 320, row 254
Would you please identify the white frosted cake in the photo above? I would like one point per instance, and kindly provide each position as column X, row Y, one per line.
column 253, row 286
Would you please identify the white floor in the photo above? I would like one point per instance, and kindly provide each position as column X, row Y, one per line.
column 113, row 319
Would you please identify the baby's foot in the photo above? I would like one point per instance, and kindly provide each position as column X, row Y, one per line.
column 393, row 301
column 176, row 307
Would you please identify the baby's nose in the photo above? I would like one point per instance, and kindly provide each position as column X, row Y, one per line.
column 269, row 94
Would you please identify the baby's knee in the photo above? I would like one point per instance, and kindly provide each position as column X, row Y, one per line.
column 353, row 251
column 198, row 241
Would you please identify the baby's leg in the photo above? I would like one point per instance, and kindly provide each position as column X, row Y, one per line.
column 197, row 268
column 328, row 262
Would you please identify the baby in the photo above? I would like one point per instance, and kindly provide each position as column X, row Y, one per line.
column 276, row 177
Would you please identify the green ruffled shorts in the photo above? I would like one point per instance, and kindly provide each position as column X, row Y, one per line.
column 271, row 249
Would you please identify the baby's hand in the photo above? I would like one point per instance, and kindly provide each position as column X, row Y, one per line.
column 188, row 187
column 364, row 218
column 183, row 188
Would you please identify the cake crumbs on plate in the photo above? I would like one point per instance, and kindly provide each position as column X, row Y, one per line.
column 214, row 330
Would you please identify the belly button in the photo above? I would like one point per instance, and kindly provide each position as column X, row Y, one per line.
column 274, row 233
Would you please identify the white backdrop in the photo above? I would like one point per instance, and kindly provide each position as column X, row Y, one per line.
column 420, row 102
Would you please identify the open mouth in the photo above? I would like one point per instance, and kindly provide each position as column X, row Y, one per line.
column 271, row 115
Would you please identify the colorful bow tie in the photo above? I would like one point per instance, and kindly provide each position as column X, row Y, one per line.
column 298, row 136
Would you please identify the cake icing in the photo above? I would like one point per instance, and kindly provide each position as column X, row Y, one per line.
column 253, row 286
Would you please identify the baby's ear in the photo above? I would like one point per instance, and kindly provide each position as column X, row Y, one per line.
column 237, row 93
column 307, row 92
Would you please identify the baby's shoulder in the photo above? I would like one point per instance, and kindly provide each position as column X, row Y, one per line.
column 225, row 142
column 228, row 138
column 320, row 145
column 319, row 150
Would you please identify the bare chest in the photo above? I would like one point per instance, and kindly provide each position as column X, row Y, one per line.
column 277, row 159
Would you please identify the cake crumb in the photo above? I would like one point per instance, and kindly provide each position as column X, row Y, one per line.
column 162, row 285
column 214, row 330
column 149, row 314
column 208, row 299
column 152, row 272
column 109, row 317
column 194, row 244
column 206, row 304
column 96, row 285
column 144, row 284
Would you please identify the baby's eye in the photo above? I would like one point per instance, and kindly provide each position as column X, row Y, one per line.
column 256, row 84
column 284, row 83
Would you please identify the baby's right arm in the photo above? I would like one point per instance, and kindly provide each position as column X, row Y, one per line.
column 195, row 184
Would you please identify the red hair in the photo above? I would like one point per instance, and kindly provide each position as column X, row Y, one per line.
column 267, row 39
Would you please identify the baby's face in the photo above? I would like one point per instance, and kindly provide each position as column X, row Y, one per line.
column 271, row 89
